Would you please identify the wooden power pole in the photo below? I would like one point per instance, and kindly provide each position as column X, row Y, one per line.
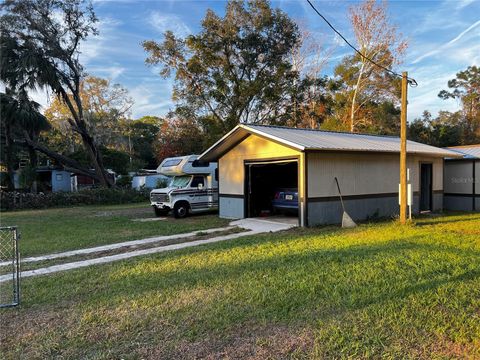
column 403, row 152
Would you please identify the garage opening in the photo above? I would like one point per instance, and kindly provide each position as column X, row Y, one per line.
column 272, row 189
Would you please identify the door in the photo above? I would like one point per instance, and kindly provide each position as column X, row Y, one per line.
column 426, row 187
column 199, row 197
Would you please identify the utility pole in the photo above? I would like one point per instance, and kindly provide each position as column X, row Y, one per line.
column 403, row 152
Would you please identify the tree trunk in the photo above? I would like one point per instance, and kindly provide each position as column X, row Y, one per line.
column 97, row 160
column 67, row 162
column 9, row 157
column 32, row 154
column 354, row 99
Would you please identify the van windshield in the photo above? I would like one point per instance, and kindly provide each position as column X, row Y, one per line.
column 180, row 181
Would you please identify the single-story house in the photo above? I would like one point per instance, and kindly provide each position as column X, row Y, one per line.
column 254, row 160
column 462, row 179
column 149, row 181
column 56, row 178
column 51, row 178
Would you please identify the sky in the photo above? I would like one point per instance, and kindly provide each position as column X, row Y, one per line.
column 443, row 36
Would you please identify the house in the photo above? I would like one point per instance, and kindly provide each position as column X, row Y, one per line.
column 50, row 178
column 462, row 179
column 148, row 179
column 254, row 160
column 55, row 178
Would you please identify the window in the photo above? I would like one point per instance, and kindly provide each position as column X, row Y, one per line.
column 198, row 163
column 172, row 162
column 197, row 180
column 180, row 181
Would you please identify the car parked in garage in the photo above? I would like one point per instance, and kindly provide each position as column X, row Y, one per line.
column 285, row 200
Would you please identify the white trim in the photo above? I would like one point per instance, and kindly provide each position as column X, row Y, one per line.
column 219, row 141
column 280, row 140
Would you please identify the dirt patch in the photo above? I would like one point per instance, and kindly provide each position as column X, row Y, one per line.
column 448, row 349
column 268, row 342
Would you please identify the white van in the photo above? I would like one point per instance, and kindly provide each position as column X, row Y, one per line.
column 193, row 187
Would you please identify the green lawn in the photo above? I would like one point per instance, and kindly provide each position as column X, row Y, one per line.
column 377, row 291
column 55, row 230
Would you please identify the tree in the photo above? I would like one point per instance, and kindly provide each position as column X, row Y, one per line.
column 311, row 95
column 237, row 69
column 378, row 39
column 40, row 42
column 105, row 105
column 21, row 117
column 178, row 137
column 466, row 88
column 444, row 130
column 142, row 134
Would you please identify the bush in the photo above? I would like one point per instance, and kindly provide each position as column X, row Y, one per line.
column 98, row 196
column 124, row 181
column 161, row 183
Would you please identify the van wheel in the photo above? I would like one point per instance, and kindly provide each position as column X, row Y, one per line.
column 180, row 210
column 160, row 212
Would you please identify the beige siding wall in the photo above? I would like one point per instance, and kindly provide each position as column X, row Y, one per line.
column 231, row 165
column 458, row 177
column 364, row 173
column 477, row 178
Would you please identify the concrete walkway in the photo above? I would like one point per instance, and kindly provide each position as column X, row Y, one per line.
column 254, row 226
column 117, row 246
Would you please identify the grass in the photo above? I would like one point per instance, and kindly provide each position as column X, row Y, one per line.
column 56, row 230
column 377, row 291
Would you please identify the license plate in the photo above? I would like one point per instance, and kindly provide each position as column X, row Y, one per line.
column 288, row 197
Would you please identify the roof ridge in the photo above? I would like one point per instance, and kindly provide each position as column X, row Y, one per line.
column 321, row 130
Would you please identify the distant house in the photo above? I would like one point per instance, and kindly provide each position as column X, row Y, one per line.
column 462, row 179
column 255, row 161
column 55, row 178
column 148, row 181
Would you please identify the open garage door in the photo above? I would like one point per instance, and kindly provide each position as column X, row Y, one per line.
column 271, row 188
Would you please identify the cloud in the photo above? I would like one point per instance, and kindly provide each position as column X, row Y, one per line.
column 94, row 46
column 111, row 72
column 164, row 22
column 443, row 47
column 151, row 98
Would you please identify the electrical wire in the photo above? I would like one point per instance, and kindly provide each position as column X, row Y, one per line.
column 410, row 80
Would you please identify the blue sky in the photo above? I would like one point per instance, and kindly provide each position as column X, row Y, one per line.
column 444, row 38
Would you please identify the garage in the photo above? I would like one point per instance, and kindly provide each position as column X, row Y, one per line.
column 260, row 165
column 271, row 188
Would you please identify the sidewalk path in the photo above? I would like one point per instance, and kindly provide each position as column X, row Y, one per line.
column 254, row 226
column 117, row 246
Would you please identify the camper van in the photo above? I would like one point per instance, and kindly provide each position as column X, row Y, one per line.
column 193, row 187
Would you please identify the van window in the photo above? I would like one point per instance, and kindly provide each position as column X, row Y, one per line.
column 198, row 163
column 172, row 162
column 197, row 180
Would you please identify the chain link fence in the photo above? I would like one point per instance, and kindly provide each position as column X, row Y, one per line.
column 9, row 267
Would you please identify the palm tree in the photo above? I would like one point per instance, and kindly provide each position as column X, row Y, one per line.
column 20, row 116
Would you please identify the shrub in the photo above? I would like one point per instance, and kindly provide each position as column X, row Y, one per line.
column 161, row 183
column 124, row 181
column 97, row 196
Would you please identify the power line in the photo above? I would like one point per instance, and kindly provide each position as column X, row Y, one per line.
column 411, row 81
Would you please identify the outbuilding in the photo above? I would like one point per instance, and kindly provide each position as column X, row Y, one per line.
column 462, row 179
column 254, row 161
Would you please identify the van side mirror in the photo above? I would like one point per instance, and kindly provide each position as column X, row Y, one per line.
column 200, row 186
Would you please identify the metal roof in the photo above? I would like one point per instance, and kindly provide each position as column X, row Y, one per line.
column 307, row 139
column 467, row 151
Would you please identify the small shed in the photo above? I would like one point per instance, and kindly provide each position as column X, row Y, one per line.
column 255, row 160
column 462, row 179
